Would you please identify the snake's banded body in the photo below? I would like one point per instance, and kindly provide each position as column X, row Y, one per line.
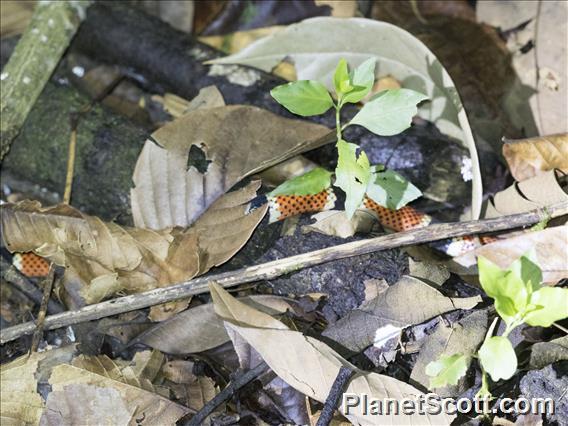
column 285, row 206
column 404, row 219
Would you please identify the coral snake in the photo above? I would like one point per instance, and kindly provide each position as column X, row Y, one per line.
column 284, row 206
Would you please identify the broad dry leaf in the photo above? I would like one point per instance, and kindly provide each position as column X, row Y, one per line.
column 409, row 301
column 208, row 97
column 530, row 157
column 139, row 372
column 541, row 191
column 199, row 329
column 310, row 366
column 462, row 337
column 195, row 390
column 151, row 407
column 545, row 353
column 20, row 404
column 85, row 404
column 550, row 245
column 399, row 54
column 189, row 163
column 336, row 223
column 102, row 259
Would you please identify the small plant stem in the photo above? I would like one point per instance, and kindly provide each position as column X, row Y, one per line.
column 338, row 120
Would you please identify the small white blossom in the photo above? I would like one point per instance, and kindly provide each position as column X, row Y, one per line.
column 466, row 169
column 3, row 76
column 78, row 71
column 26, row 80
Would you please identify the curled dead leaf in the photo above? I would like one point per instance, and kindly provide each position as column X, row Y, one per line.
column 529, row 157
column 103, row 258
column 189, row 163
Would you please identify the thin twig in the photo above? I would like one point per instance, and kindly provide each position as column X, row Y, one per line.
column 239, row 381
column 335, row 393
column 74, row 119
column 284, row 266
column 70, row 161
column 47, row 287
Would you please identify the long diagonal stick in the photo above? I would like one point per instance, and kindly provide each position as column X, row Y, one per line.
column 280, row 267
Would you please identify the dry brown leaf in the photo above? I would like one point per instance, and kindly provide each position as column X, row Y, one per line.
column 208, row 97
column 336, row 223
column 223, row 145
column 310, row 366
column 20, row 402
column 409, row 301
column 550, row 245
column 199, row 329
column 529, row 157
column 463, row 337
column 87, row 405
column 151, row 407
column 102, row 259
column 540, row 191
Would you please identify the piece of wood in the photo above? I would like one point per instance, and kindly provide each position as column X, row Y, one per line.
column 38, row 52
column 280, row 267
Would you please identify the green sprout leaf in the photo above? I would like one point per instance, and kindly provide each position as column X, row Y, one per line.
column 352, row 175
column 551, row 305
column 341, row 80
column 354, row 86
column 312, row 182
column 390, row 112
column 304, row 97
column 447, row 370
column 498, row 358
column 391, row 190
column 505, row 286
column 527, row 269
column 362, row 80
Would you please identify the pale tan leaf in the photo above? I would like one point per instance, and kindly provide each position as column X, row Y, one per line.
column 20, row 403
column 530, row 157
column 543, row 190
column 550, row 245
column 410, row 301
column 310, row 366
column 463, row 337
column 545, row 353
column 336, row 223
column 102, row 259
column 229, row 143
column 153, row 408
column 208, row 97
column 85, row 404
column 199, row 328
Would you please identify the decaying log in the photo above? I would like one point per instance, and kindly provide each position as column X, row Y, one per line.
column 107, row 149
column 285, row 266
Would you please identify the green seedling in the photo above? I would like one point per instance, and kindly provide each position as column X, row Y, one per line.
column 519, row 298
column 387, row 113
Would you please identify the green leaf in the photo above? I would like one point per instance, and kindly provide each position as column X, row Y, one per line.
column 498, row 358
column 312, row 182
column 554, row 303
column 391, row 190
column 390, row 112
column 362, row 80
column 352, row 175
column 527, row 269
column 305, row 97
column 447, row 370
column 505, row 286
column 341, row 80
